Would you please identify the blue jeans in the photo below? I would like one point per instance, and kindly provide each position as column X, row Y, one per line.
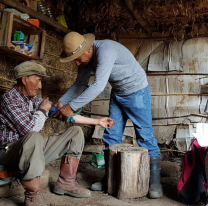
column 137, row 107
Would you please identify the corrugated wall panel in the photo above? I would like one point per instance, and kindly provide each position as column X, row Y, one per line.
column 181, row 90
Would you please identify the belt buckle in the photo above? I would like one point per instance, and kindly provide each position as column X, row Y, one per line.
column 6, row 148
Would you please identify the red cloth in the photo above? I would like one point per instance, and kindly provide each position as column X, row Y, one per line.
column 35, row 22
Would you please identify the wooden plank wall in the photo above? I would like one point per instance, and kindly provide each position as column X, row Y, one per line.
column 177, row 75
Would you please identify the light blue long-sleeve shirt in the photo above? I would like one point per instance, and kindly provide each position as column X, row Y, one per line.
column 111, row 62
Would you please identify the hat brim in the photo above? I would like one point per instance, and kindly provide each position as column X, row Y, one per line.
column 65, row 58
column 43, row 75
column 30, row 74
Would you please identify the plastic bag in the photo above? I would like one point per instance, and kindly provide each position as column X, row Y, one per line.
column 62, row 21
column 98, row 160
column 5, row 176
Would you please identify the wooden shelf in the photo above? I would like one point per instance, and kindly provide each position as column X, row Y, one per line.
column 35, row 14
column 17, row 55
column 34, row 35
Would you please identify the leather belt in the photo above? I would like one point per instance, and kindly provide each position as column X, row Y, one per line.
column 2, row 146
column 5, row 146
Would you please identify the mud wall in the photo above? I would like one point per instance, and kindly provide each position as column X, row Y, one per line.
column 62, row 75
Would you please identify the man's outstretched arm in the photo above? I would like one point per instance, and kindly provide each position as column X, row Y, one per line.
column 105, row 122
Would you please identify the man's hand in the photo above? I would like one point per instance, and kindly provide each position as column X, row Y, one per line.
column 46, row 105
column 106, row 122
column 65, row 112
column 59, row 104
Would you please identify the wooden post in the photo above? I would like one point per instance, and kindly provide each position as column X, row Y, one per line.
column 43, row 40
column 35, row 41
column 33, row 4
column 6, row 29
column 128, row 171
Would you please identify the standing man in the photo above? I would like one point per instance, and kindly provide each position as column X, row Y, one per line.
column 130, row 96
column 23, row 148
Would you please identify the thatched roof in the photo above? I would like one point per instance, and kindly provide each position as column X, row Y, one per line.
column 109, row 17
column 178, row 18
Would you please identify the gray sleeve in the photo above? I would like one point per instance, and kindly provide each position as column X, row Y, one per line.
column 106, row 60
column 78, row 87
column 40, row 119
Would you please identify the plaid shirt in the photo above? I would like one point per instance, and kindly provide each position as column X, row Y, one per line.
column 16, row 119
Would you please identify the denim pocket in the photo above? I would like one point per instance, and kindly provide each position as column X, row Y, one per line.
column 138, row 101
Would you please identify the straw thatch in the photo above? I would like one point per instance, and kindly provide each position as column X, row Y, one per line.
column 112, row 17
column 100, row 17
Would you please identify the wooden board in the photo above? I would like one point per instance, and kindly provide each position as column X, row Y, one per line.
column 33, row 4
column 6, row 29
column 43, row 40
column 157, row 84
column 164, row 134
column 35, row 41
column 15, row 54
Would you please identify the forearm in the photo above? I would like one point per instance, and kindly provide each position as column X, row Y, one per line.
column 88, row 95
column 73, row 92
column 103, row 70
column 77, row 88
column 26, row 122
column 85, row 120
column 40, row 119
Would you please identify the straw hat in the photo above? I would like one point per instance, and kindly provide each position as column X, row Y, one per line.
column 75, row 45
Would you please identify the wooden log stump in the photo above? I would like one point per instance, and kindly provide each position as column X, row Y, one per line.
column 128, row 171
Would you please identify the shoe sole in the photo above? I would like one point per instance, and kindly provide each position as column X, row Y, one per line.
column 96, row 189
column 155, row 196
column 63, row 192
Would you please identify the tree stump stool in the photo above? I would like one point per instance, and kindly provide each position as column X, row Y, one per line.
column 128, row 171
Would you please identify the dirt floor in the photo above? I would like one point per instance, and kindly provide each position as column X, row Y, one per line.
column 87, row 175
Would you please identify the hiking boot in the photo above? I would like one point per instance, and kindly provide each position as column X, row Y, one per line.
column 33, row 199
column 32, row 193
column 66, row 183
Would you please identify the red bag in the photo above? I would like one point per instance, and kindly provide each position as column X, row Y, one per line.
column 192, row 182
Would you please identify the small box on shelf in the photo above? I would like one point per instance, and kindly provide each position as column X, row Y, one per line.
column 34, row 36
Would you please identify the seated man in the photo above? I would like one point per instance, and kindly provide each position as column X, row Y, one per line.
column 22, row 147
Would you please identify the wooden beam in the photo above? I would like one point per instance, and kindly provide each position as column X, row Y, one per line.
column 94, row 148
column 143, row 35
column 168, row 73
column 22, row 8
column 162, row 94
column 159, row 36
column 137, row 15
